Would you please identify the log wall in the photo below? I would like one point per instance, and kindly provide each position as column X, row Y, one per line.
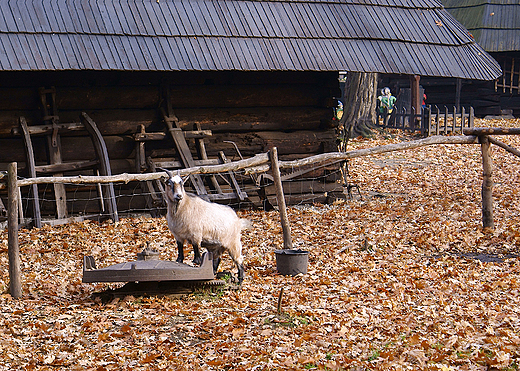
column 256, row 110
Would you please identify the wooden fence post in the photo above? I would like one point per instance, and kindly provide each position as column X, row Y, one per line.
column 275, row 169
column 487, row 184
column 15, row 281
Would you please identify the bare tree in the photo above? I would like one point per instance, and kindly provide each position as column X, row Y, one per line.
column 359, row 111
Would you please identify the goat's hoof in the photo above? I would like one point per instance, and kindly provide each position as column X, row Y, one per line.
column 179, row 260
column 197, row 261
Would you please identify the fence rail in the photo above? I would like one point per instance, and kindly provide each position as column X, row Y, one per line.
column 259, row 163
column 430, row 121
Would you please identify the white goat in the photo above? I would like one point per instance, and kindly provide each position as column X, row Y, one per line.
column 201, row 223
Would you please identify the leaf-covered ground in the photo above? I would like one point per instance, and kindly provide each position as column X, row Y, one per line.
column 393, row 282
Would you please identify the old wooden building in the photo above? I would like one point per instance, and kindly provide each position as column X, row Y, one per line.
column 495, row 25
column 254, row 73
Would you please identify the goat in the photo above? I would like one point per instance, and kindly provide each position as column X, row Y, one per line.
column 203, row 224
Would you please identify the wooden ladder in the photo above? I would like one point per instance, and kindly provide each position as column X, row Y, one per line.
column 179, row 137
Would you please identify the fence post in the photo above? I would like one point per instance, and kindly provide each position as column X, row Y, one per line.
column 437, row 120
column 426, row 122
column 471, row 116
column 462, row 117
column 15, row 281
column 275, row 169
column 454, row 120
column 487, row 184
column 445, row 120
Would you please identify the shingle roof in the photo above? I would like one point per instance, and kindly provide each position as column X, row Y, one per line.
column 495, row 24
column 392, row 36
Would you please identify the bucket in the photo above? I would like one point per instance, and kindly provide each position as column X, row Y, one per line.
column 291, row 262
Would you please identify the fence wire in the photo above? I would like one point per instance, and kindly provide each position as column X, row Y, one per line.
column 314, row 184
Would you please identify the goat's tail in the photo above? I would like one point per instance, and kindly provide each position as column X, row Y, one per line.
column 245, row 223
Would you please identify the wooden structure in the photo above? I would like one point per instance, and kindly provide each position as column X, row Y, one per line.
column 429, row 121
column 495, row 25
column 260, row 164
column 56, row 167
column 256, row 73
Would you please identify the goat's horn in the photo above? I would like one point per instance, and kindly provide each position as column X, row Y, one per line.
column 170, row 174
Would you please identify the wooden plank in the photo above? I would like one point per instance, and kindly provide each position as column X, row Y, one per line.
column 37, row 219
column 234, row 184
column 172, row 164
column 46, row 129
column 59, row 189
column 102, row 155
column 62, row 11
column 187, row 159
column 197, row 18
column 69, row 49
column 116, row 18
column 9, row 51
column 91, row 13
column 78, row 17
column 27, row 16
column 219, row 26
column 103, row 19
column 65, row 167
column 152, row 23
column 128, row 23
column 6, row 10
column 136, row 17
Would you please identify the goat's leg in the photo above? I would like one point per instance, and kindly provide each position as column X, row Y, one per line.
column 238, row 259
column 180, row 249
column 216, row 262
column 197, row 259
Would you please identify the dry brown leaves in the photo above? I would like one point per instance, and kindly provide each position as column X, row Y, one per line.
column 392, row 283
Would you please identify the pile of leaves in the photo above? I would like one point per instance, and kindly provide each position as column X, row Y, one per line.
column 402, row 278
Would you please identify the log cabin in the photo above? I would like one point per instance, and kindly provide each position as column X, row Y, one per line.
column 495, row 26
column 173, row 82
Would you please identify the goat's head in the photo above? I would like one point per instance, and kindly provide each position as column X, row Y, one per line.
column 174, row 187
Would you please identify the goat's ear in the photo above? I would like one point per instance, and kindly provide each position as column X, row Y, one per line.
column 167, row 172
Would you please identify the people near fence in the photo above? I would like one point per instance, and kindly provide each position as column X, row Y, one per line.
column 386, row 101
column 424, row 100
column 338, row 111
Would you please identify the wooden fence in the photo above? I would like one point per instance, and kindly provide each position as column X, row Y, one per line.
column 430, row 121
column 259, row 163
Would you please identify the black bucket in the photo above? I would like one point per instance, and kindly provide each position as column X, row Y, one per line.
column 291, row 262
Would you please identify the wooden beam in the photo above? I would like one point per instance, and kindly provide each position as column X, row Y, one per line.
column 275, row 169
column 104, row 163
column 29, row 151
column 54, row 147
column 188, row 134
column 490, row 131
column 63, row 167
column 125, row 178
column 416, row 98
column 47, row 129
column 15, row 280
column 507, row 147
column 458, row 89
column 487, row 185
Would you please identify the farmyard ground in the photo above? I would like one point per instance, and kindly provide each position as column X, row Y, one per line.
column 391, row 284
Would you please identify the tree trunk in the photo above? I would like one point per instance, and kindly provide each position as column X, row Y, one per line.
column 359, row 105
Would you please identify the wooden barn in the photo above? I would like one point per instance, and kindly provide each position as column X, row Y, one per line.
column 129, row 86
column 495, row 25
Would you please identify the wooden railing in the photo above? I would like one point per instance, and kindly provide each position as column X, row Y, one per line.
column 441, row 122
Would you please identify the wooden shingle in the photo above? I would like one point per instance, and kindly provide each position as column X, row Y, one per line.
column 301, row 35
